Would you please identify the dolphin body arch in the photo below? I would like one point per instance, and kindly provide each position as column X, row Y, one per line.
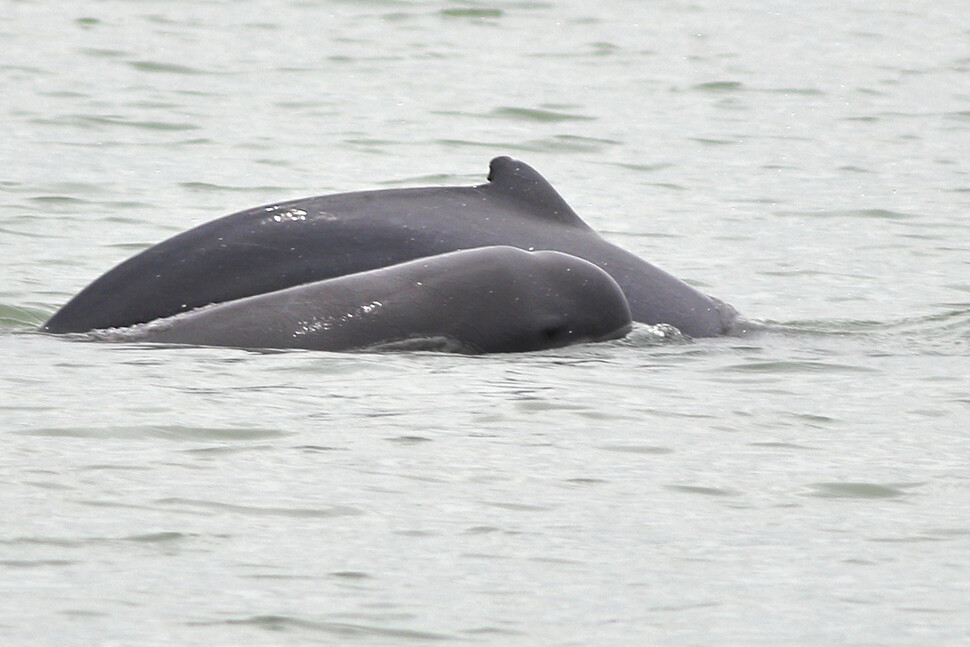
column 282, row 245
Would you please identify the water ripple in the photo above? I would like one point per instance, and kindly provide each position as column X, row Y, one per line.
column 793, row 366
column 856, row 490
column 471, row 12
column 704, row 491
column 167, row 432
column 539, row 115
column 718, row 86
column 282, row 623
column 637, row 449
column 164, row 68
column 260, row 511
column 21, row 317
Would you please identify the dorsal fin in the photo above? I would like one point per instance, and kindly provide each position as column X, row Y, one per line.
column 521, row 182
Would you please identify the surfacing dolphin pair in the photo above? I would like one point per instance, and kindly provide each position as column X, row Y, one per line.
column 305, row 242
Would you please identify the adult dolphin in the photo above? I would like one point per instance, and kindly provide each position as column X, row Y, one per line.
column 483, row 300
column 291, row 243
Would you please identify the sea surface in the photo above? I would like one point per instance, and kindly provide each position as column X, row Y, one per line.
column 807, row 484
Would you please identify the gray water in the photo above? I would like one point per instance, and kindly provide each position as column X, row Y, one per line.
column 808, row 484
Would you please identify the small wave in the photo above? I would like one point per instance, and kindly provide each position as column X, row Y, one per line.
column 164, row 537
column 708, row 141
column 856, row 490
column 718, row 86
column 21, row 318
column 58, row 200
column 645, row 168
column 432, row 179
column 554, row 144
column 538, row 115
column 101, row 52
column 35, row 563
column 168, row 432
column 944, row 332
column 95, row 120
column 206, row 187
column 471, row 12
column 165, row 68
column 260, row 511
column 636, row 449
column 644, row 335
column 702, row 490
column 795, row 366
column 345, row 630
column 806, row 92
column 878, row 214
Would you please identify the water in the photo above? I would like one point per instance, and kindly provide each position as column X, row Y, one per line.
column 804, row 485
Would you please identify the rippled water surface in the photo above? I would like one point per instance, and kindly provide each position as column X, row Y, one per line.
column 805, row 484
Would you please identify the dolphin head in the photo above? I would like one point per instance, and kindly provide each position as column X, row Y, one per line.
column 519, row 301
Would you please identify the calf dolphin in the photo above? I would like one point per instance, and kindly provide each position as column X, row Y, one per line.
column 484, row 300
column 292, row 243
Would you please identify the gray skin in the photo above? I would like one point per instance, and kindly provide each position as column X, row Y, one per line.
column 486, row 300
column 278, row 246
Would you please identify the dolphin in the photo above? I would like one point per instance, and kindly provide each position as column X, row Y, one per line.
column 286, row 244
column 483, row 300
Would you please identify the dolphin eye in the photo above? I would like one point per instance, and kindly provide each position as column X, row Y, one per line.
column 552, row 332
